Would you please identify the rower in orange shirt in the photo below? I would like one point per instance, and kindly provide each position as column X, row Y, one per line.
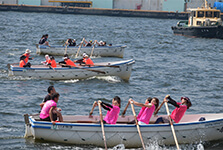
column 23, row 63
column 27, row 55
column 87, row 60
column 67, row 62
column 52, row 62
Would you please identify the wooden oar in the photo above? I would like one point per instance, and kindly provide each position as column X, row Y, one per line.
column 137, row 125
column 65, row 50
column 79, row 48
column 156, row 111
column 123, row 113
column 94, row 105
column 52, row 68
column 98, row 71
column 158, row 108
column 171, row 124
column 102, row 124
column 92, row 50
column 106, row 66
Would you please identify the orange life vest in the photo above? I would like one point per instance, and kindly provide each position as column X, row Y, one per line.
column 27, row 57
column 22, row 63
column 88, row 61
column 70, row 63
column 53, row 63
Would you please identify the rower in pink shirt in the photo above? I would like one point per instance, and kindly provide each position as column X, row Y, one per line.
column 112, row 110
column 147, row 109
column 178, row 112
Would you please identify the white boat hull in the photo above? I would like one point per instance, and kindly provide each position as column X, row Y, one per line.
column 103, row 51
column 121, row 69
column 90, row 133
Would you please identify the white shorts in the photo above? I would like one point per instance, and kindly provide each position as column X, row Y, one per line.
column 141, row 123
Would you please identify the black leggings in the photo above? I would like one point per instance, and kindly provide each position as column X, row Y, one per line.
column 48, row 118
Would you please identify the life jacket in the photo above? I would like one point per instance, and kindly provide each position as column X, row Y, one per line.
column 22, row 63
column 53, row 63
column 70, row 63
column 27, row 57
column 88, row 61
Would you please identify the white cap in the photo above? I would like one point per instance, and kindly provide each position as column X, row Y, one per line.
column 65, row 58
column 28, row 51
column 84, row 54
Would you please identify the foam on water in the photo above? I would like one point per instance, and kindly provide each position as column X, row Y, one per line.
column 110, row 79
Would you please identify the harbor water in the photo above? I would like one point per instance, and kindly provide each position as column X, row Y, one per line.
column 165, row 64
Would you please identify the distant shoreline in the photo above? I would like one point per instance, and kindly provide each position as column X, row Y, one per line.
column 95, row 11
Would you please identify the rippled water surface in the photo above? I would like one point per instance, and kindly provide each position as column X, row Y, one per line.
column 165, row 64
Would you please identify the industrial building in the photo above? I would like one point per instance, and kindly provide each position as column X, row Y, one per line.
column 157, row 5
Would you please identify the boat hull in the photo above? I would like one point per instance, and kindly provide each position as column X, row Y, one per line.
column 121, row 69
column 201, row 31
column 90, row 133
column 103, row 51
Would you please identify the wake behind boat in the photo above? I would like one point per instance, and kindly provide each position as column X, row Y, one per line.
column 193, row 128
column 121, row 69
column 103, row 51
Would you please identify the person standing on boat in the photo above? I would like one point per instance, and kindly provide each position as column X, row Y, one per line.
column 178, row 112
column 27, row 55
column 47, row 112
column 147, row 109
column 112, row 110
column 52, row 62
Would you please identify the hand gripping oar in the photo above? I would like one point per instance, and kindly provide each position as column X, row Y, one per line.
column 171, row 124
column 159, row 108
column 137, row 125
column 92, row 50
column 79, row 48
column 156, row 111
column 102, row 124
column 123, row 113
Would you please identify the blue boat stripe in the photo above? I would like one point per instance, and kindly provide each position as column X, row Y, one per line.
column 67, row 68
column 125, row 126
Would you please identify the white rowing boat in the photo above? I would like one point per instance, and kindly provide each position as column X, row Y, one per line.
column 103, row 51
column 85, row 130
column 121, row 69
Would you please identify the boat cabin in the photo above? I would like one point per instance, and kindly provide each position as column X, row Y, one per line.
column 204, row 17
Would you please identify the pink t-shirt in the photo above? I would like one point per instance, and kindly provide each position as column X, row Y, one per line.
column 145, row 114
column 46, row 109
column 178, row 113
column 112, row 115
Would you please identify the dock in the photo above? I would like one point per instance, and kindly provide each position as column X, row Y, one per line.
column 95, row 11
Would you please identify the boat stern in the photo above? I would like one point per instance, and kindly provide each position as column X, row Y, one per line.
column 28, row 127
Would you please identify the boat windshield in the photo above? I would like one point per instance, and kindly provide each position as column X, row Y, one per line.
column 209, row 14
column 200, row 14
column 216, row 14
